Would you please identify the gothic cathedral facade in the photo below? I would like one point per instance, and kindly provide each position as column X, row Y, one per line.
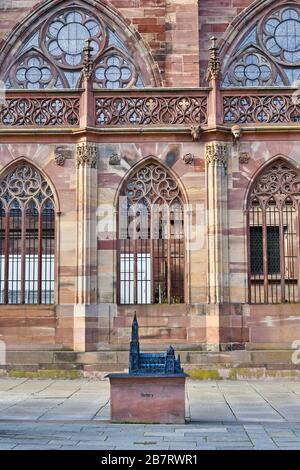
column 150, row 164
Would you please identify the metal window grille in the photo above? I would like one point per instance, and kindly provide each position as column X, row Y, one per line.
column 273, row 221
column 27, row 238
column 151, row 241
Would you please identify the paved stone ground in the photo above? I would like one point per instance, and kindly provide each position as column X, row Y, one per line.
column 73, row 415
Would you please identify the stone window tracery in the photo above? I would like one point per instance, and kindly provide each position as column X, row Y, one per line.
column 34, row 72
column 269, row 53
column 114, row 71
column 252, row 69
column 66, row 36
column 281, row 35
column 53, row 56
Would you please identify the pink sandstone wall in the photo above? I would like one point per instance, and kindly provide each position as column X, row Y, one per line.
column 167, row 26
column 261, row 326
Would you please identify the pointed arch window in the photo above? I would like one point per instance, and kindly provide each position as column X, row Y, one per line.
column 273, row 231
column 51, row 53
column 151, row 243
column 268, row 52
column 27, row 237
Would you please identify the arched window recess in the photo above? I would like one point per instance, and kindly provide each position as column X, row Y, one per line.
column 151, row 241
column 273, row 235
column 27, row 237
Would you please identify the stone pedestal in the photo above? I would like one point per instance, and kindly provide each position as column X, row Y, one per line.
column 148, row 399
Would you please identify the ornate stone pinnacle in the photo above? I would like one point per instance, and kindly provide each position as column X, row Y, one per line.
column 87, row 155
column 216, row 153
column 214, row 65
column 88, row 63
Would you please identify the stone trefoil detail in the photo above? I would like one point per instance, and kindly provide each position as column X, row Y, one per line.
column 87, row 155
column 216, row 154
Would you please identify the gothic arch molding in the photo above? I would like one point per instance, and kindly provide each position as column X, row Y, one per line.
column 139, row 51
column 237, row 27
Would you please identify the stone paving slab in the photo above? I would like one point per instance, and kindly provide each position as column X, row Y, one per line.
column 74, row 415
column 31, row 436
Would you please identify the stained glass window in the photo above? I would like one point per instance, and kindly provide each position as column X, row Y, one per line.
column 269, row 53
column 53, row 56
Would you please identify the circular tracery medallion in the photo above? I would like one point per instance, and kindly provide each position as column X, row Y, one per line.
column 281, row 35
column 66, row 36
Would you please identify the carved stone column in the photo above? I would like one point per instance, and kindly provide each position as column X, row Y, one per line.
column 216, row 156
column 85, row 314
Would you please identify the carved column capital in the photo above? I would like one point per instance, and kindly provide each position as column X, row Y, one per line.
column 216, row 153
column 86, row 155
